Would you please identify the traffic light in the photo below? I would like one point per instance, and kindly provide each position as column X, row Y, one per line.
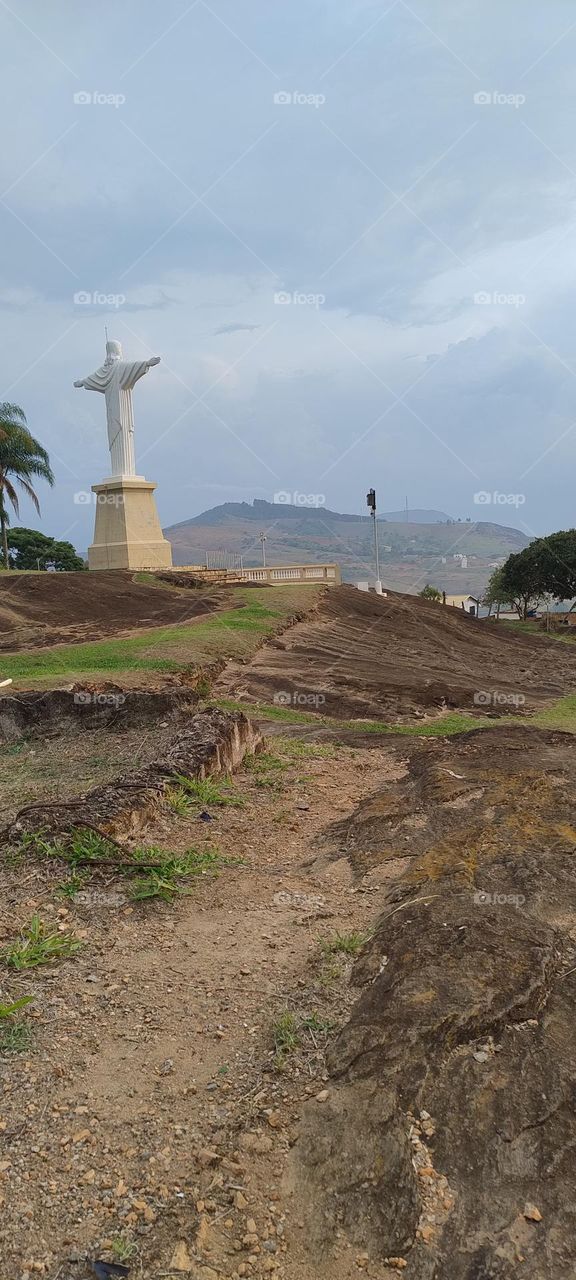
column 371, row 500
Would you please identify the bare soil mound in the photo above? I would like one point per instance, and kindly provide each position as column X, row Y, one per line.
column 54, row 608
column 360, row 656
column 447, row 1141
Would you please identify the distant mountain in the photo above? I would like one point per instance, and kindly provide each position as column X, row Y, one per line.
column 268, row 511
column 261, row 511
column 412, row 552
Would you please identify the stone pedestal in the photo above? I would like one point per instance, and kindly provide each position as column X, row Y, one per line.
column 127, row 532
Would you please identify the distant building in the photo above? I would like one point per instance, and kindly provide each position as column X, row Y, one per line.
column 469, row 604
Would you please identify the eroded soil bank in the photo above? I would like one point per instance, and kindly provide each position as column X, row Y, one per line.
column 358, row 655
column 449, row 1134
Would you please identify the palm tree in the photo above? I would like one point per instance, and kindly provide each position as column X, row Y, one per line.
column 21, row 459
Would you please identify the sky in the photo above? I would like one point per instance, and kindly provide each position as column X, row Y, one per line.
column 347, row 229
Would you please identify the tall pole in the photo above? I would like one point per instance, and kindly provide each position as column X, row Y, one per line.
column 263, row 541
column 371, row 502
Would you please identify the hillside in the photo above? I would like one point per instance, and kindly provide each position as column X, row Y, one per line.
column 357, row 655
column 411, row 551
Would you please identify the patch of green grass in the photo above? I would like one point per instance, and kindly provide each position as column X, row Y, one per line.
column 561, row 715
column 8, row 1010
column 298, row 748
column 176, row 799
column 39, row 944
column 294, row 1031
column 267, row 711
column 285, row 1032
column 267, row 769
column 124, row 1247
column 70, row 887
column 15, row 1038
column 208, row 791
column 169, row 879
column 15, row 1034
column 348, row 944
column 81, row 847
column 225, row 633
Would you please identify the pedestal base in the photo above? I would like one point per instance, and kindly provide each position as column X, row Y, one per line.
column 127, row 533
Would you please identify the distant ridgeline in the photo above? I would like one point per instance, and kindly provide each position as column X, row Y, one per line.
column 268, row 512
column 429, row 546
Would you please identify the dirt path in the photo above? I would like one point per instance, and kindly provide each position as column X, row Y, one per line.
column 152, row 1119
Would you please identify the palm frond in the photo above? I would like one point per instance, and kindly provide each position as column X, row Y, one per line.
column 27, row 487
column 8, row 488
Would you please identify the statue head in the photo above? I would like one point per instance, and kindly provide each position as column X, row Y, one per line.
column 113, row 351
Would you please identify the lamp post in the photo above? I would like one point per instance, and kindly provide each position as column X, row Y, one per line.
column 371, row 503
column 263, row 541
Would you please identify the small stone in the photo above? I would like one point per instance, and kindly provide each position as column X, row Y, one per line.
column 181, row 1260
column 532, row 1213
column 240, row 1201
column 254, row 1142
column 251, row 1226
column 207, row 1156
column 81, row 1136
column 398, row 1263
column 480, row 1056
column 322, row 1096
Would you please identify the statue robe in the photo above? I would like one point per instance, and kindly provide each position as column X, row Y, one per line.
column 116, row 378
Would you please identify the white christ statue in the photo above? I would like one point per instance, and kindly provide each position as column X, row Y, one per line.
column 115, row 378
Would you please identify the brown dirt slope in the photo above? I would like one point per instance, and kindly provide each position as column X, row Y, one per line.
column 358, row 655
column 449, row 1134
column 52, row 608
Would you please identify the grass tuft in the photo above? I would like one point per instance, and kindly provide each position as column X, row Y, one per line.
column 205, row 791
column 348, row 944
column 169, row 879
column 15, row 1038
column 39, row 944
column 292, row 1032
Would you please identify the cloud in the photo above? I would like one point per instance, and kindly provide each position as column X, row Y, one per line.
column 235, row 328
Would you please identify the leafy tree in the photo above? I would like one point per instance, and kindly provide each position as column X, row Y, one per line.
column 430, row 593
column 547, row 567
column 555, row 558
column 30, row 549
column 520, row 580
column 22, row 458
column 496, row 592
